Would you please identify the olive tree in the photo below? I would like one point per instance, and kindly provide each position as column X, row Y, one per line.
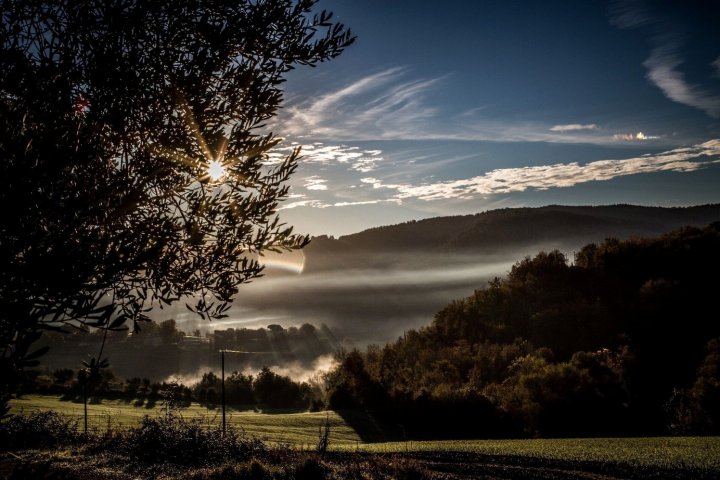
column 134, row 155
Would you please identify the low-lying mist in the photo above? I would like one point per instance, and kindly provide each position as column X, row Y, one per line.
column 298, row 371
column 372, row 304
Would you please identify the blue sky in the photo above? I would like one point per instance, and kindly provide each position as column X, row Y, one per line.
column 491, row 104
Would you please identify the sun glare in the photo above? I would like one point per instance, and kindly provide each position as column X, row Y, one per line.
column 216, row 170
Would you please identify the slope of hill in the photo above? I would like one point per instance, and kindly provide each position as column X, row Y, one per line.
column 506, row 228
column 375, row 284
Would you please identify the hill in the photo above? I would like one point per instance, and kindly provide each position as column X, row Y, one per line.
column 373, row 285
column 509, row 230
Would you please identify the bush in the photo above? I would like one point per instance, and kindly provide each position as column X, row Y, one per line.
column 310, row 469
column 37, row 430
column 173, row 439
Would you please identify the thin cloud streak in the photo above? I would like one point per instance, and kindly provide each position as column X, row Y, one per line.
column 380, row 104
column 304, row 203
column 321, row 204
column 662, row 70
column 383, row 106
column 319, row 153
column 663, row 64
column 573, row 127
column 508, row 180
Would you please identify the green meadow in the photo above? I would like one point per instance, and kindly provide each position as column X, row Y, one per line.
column 274, row 426
column 300, row 430
column 672, row 453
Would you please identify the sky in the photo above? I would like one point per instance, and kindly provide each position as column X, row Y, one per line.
column 457, row 107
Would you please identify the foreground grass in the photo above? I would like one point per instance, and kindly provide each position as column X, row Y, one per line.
column 299, row 429
column 672, row 453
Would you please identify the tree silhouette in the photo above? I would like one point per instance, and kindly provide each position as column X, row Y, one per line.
column 135, row 159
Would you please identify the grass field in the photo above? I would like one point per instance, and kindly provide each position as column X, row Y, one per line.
column 301, row 429
column 687, row 453
column 292, row 428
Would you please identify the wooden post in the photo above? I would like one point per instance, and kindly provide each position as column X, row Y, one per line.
column 222, row 373
column 85, row 404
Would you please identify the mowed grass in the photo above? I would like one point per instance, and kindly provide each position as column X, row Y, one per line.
column 277, row 427
column 672, row 453
column 301, row 430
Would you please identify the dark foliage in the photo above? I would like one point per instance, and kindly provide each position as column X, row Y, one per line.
column 267, row 389
column 616, row 343
column 187, row 442
column 111, row 116
column 279, row 391
column 160, row 350
column 38, row 430
column 697, row 409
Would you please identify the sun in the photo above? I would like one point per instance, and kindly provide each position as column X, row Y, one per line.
column 216, row 170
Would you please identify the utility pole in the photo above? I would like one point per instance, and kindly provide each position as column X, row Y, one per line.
column 222, row 374
column 84, row 390
column 222, row 380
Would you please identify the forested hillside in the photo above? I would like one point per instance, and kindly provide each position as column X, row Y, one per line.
column 501, row 229
column 625, row 339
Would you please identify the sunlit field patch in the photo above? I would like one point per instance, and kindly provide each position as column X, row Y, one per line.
column 297, row 429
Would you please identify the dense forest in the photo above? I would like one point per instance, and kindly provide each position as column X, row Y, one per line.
column 623, row 340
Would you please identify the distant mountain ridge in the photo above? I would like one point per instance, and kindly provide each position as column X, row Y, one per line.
column 497, row 231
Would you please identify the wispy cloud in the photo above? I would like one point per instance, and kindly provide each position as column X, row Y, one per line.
column 381, row 105
column 624, row 14
column 315, row 183
column 508, row 180
column 304, row 203
column 320, row 153
column 572, row 127
column 364, row 202
column 388, row 106
column 664, row 29
column 321, row 204
column 662, row 70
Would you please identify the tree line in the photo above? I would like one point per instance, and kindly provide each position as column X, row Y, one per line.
column 161, row 350
column 266, row 388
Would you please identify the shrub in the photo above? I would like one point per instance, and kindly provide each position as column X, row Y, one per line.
column 37, row 430
column 310, row 469
column 173, row 439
